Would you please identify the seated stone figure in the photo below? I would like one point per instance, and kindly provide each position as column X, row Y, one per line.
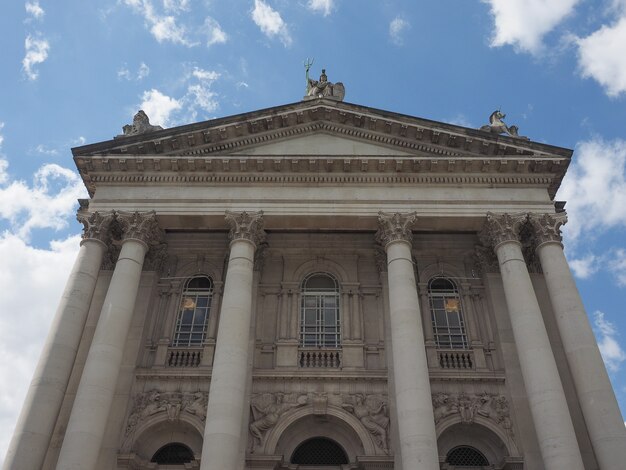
column 322, row 88
column 141, row 125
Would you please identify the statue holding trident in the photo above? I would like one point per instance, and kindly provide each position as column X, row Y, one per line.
column 322, row 88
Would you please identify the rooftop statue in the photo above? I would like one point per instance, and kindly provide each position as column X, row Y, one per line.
column 141, row 125
column 497, row 126
column 322, row 88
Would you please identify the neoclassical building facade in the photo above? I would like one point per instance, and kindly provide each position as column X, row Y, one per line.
column 320, row 285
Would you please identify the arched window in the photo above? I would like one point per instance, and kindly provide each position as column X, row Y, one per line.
column 320, row 322
column 446, row 314
column 195, row 308
column 174, row 453
column 319, row 451
column 466, row 456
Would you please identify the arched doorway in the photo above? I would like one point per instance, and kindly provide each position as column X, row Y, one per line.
column 319, row 452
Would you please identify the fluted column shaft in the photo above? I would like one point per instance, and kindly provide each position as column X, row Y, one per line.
column 546, row 397
column 96, row 389
column 416, row 424
column 43, row 402
column 227, row 393
column 595, row 393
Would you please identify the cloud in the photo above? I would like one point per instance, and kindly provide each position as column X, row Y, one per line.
column 397, row 26
column 606, row 334
column 214, row 32
column 617, row 266
column 142, row 72
column 53, row 187
column 176, row 5
column 523, row 23
column 198, row 97
column 48, row 151
column 35, row 10
column 164, row 28
column 26, row 270
column 595, row 188
column 601, row 57
column 585, row 267
column 325, row 7
column 36, row 53
column 270, row 22
column 159, row 107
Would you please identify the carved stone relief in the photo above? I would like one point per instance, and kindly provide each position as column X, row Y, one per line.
column 500, row 228
column 267, row 409
column 170, row 404
column 468, row 407
column 373, row 412
column 393, row 227
column 246, row 226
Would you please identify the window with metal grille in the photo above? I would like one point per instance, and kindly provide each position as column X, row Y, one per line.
column 319, row 451
column 466, row 456
column 195, row 308
column 320, row 323
column 446, row 314
column 173, row 454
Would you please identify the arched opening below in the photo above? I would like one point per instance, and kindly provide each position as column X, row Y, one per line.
column 471, row 446
column 319, row 451
column 173, row 454
column 466, row 457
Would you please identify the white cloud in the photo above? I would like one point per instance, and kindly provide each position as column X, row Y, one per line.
column 143, row 71
column 26, row 270
column 176, row 5
column 586, row 266
column 617, row 266
column 163, row 27
column 601, row 57
column 35, row 10
column 159, row 107
column 460, row 120
column 325, row 7
column 397, row 26
column 606, row 334
column 125, row 74
column 36, row 53
column 45, row 150
column 215, row 34
column 523, row 23
column 595, row 188
column 270, row 22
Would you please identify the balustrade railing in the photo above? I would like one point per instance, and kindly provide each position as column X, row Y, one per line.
column 455, row 359
column 183, row 357
column 321, row 358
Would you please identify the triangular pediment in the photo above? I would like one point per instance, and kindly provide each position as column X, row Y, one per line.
column 320, row 143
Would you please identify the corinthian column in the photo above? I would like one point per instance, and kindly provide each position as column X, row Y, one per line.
column 96, row 389
column 553, row 423
column 47, row 389
column 595, row 394
column 227, row 393
column 418, row 438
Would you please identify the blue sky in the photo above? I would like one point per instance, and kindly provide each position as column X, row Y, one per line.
column 75, row 72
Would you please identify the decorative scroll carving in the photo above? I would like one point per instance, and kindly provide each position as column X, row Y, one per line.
column 372, row 411
column 380, row 257
column 529, row 242
column 141, row 125
column 141, row 226
column 96, row 225
column 393, row 227
column 172, row 404
column 156, row 258
column 468, row 407
column 246, row 226
column 259, row 257
column 266, row 411
column 501, row 228
column 547, row 227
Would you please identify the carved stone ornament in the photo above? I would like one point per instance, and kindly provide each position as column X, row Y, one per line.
column 246, row 226
column 502, row 228
column 380, row 258
column 322, row 88
column 373, row 412
column 393, row 227
column 170, row 404
column 140, row 226
column 547, row 227
column 266, row 410
column 141, row 125
column 485, row 260
column 468, row 407
column 497, row 126
column 96, row 225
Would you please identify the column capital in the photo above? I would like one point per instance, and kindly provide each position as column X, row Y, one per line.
column 500, row 228
column 547, row 227
column 96, row 225
column 246, row 226
column 140, row 226
column 392, row 227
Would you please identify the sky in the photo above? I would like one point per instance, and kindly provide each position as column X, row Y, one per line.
column 74, row 72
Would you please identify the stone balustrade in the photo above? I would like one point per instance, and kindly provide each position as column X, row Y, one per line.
column 456, row 359
column 322, row 358
column 184, row 357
